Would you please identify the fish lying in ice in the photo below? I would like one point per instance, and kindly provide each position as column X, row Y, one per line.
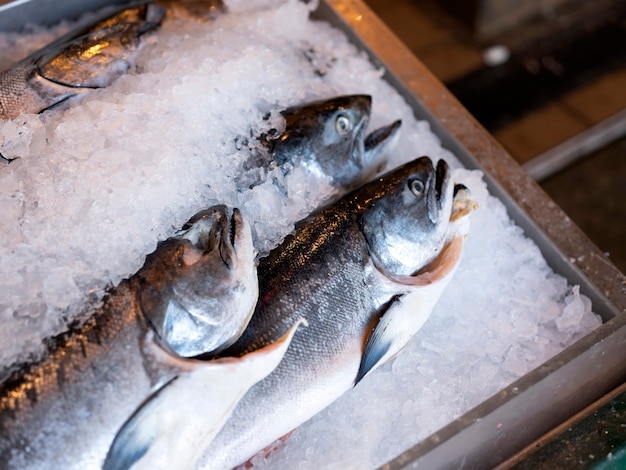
column 85, row 59
column 365, row 273
column 327, row 138
column 199, row 289
column 64, row 411
column 176, row 423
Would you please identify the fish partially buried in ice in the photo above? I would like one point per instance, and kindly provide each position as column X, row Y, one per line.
column 200, row 288
column 328, row 138
column 365, row 273
column 83, row 60
column 64, row 411
column 174, row 426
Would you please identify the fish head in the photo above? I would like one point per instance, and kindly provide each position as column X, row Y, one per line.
column 328, row 138
column 102, row 54
column 406, row 228
column 199, row 288
column 415, row 220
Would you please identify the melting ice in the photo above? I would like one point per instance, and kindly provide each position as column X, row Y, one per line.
column 97, row 185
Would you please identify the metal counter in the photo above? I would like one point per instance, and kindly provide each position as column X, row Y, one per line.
column 505, row 424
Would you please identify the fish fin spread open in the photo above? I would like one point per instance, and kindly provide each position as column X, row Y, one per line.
column 136, row 436
column 182, row 417
column 379, row 341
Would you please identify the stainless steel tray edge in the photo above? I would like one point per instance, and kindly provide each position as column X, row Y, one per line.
column 521, row 413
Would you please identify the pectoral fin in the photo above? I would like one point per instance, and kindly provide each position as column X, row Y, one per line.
column 401, row 318
column 173, row 427
column 379, row 341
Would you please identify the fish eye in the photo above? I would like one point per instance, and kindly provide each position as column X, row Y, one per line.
column 416, row 187
column 343, row 125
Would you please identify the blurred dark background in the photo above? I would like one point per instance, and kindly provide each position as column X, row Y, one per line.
column 547, row 78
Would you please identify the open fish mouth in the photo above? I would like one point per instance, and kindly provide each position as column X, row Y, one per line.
column 212, row 229
column 372, row 146
column 376, row 139
column 198, row 289
column 448, row 259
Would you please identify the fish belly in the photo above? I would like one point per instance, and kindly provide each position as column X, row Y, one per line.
column 320, row 365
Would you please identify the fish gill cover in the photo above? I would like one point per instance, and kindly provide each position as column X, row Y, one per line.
column 97, row 185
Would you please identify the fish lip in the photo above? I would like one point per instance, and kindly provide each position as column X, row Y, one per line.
column 378, row 137
column 437, row 191
column 197, row 232
column 358, row 142
column 442, row 173
column 228, row 238
column 220, row 233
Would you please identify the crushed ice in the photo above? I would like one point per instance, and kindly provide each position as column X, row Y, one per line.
column 97, row 185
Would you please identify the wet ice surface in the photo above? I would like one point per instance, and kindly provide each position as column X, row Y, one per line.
column 503, row 314
column 96, row 187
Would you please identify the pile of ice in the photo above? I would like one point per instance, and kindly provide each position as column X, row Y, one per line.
column 96, row 186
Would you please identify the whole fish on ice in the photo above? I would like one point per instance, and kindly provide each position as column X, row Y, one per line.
column 327, row 138
column 365, row 273
column 85, row 59
column 64, row 411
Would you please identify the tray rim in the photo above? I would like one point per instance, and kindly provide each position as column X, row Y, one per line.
column 479, row 438
column 474, row 440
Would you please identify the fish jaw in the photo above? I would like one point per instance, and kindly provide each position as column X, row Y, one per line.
column 376, row 145
column 199, row 288
column 175, row 425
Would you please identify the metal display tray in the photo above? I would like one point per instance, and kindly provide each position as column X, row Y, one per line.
column 561, row 387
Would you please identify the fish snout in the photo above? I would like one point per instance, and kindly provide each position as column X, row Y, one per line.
column 204, row 231
column 234, row 237
column 213, row 229
column 439, row 192
column 375, row 144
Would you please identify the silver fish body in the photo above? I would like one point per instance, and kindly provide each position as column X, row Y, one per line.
column 85, row 59
column 328, row 139
column 64, row 411
column 199, row 290
column 326, row 274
